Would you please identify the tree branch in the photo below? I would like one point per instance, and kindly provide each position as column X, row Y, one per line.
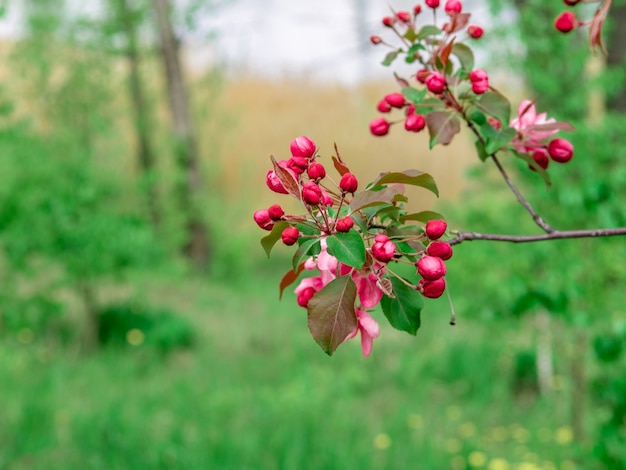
column 460, row 237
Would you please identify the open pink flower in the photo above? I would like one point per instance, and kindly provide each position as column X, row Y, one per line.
column 367, row 288
column 529, row 125
column 369, row 329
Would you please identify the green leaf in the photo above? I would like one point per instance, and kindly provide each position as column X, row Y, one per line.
column 414, row 95
column 372, row 198
column 442, row 127
column 502, row 139
column 270, row 240
column 411, row 36
column 480, row 150
column 478, row 118
column 403, row 310
column 496, row 105
column 423, row 216
column 390, row 57
column 464, row 54
column 428, row 30
column 348, row 248
column 410, row 177
column 331, row 315
column 304, row 251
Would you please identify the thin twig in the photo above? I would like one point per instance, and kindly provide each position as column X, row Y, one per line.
column 461, row 237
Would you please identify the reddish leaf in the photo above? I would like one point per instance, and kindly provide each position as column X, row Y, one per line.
column 444, row 54
column 287, row 179
column 331, row 314
column 340, row 165
column 457, row 23
column 372, row 198
column 595, row 29
column 442, row 127
column 289, row 278
column 552, row 126
column 401, row 81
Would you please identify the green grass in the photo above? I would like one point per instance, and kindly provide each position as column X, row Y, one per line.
column 256, row 392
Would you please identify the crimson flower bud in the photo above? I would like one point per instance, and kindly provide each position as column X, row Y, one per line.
column 566, row 22
column 494, row 122
column 404, row 16
column 304, row 296
column 478, row 75
column 379, row 126
column 395, row 100
column 345, row 224
column 561, row 150
column 290, row 235
column 311, row 193
column 383, row 106
column 263, row 219
column 453, row 6
column 316, row 171
column 297, row 164
column 303, row 147
column 422, row 74
column 436, row 83
column 431, row 268
column 275, row 212
column 540, row 157
column 441, row 250
column 474, row 31
column 432, row 3
column 414, row 123
column 436, row 228
column 431, row 289
column 417, row 9
column 480, row 87
column 571, row 3
column 383, row 249
column 273, row 182
column 389, row 21
column 348, row 183
column 410, row 109
column 376, row 39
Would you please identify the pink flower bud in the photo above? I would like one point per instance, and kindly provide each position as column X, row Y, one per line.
column 263, row 220
column 376, row 39
column 395, row 100
column 316, row 171
column 431, row 268
column 290, row 235
column 414, row 123
column 571, row 3
column 348, row 183
column 304, row 296
column 417, row 9
column 441, row 250
column 432, row 289
column 478, row 75
column 540, row 157
column 275, row 212
column 379, row 126
column 436, row 228
column 297, row 164
column 453, row 6
column 274, row 183
column 432, row 3
column 303, row 147
column 410, row 109
column 326, row 199
column 404, row 16
column 480, row 87
column 422, row 74
column 383, row 106
column 311, row 193
column 561, row 150
column 389, row 21
column 383, row 249
column 494, row 123
column 436, row 83
column 566, row 22
column 474, row 31
column 345, row 224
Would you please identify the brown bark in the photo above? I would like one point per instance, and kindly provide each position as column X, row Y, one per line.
column 196, row 246
column 145, row 154
column 616, row 47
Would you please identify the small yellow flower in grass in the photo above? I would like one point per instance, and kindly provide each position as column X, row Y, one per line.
column 414, row 421
column 568, row 465
column 458, row 463
column 453, row 412
column 498, row 464
column 135, row 337
column 467, row 430
column 564, row 435
column 382, row 441
column 453, row 446
column 477, row 459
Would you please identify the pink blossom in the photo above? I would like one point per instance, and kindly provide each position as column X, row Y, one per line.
column 369, row 329
column 528, row 123
column 367, row 288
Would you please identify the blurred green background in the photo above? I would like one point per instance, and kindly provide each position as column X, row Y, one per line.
column 140, row 325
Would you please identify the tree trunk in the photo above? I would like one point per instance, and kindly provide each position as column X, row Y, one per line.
column 196, row 246
column 616, row 48
column 145, row 155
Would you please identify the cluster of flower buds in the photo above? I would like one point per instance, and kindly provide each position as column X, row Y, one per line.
column 535, row 136
column 567, row 21
column 431, row 265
